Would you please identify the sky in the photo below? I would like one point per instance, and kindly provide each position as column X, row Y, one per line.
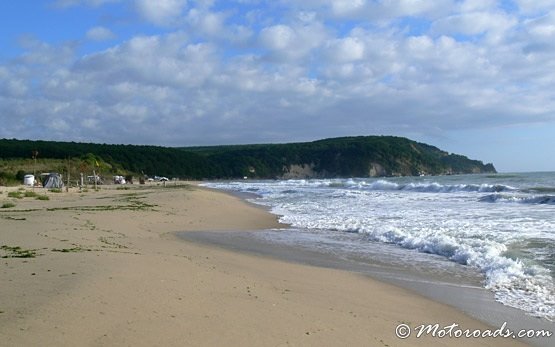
column 473, row 77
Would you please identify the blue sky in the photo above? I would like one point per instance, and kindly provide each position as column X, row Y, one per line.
column 475, row 77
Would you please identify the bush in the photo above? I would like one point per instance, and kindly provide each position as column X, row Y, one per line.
column 16, row 195
column 8, row 179
column 8, row 205
column 43, row 197
column 29, row 194
column 20, row 175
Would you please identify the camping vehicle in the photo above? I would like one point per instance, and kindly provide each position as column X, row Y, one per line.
column 119, row 180
column 91, row 179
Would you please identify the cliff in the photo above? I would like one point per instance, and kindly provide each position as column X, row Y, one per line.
column 363, row 156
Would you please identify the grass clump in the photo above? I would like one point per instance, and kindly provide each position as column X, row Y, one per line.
column 8, row 205
column 17, row 195
column 17, row 252
column 70, row 250
column 30, row 194
column 27, row 194
column 56, row 190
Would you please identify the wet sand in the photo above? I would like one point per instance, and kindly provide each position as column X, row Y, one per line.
column 458, row 286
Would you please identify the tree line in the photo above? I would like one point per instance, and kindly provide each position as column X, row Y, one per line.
column 338, row 157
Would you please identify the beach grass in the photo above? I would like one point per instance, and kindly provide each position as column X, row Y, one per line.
column 16, row 195
column 17, row 252
column 8, row 205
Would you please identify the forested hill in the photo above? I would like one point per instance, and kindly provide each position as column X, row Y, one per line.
column 339, row 157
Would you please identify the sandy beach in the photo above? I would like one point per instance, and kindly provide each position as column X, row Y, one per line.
column 107, row 269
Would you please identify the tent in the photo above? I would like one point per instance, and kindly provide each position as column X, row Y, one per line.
column 29, row 180
column 53, row 180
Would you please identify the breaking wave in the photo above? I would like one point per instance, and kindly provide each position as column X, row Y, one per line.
column 454, row 226
column 424, row 187
column 532, row 200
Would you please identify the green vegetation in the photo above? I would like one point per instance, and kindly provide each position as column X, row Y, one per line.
column 8, row 205
column 16, row 195
column 340, row 157
column 8, row 179
column 22, row 193
column 30, row 194
column 17, row 252
column 71, row 250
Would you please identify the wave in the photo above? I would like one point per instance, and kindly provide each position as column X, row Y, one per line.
column 463, row 232
column 423, row 187
column 532, row 200
column 440, row 188
column 540, row 190
column 514, row 282
column 379, row 185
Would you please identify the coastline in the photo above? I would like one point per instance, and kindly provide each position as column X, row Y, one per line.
column 463, row 294
column 110, row 270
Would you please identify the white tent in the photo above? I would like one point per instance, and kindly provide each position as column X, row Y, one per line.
column 29, row 180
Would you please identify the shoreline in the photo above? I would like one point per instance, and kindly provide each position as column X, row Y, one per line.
column 472, row 299
column 110, row 270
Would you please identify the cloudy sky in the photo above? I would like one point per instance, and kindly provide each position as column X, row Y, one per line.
column 475, row 77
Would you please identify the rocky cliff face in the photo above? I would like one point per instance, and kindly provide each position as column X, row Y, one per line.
column 299, row 171
column 376, row 170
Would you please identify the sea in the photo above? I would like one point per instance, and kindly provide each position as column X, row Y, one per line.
column 501, row 226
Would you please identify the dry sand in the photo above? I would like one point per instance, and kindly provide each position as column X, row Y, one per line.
column 110, row 271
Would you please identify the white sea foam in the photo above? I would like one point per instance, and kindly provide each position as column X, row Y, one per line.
column 449, row 218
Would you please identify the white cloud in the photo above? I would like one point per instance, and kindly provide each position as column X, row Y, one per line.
column 100, row 34
column 278, row 37
column 474, row 23
column 161, row 12
column 207, row 23
column 346, row 7
column 346, row 50
column 530, row 7
column 542, row 27
column 477, row 5
column 292, row 43
column 269, row 74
